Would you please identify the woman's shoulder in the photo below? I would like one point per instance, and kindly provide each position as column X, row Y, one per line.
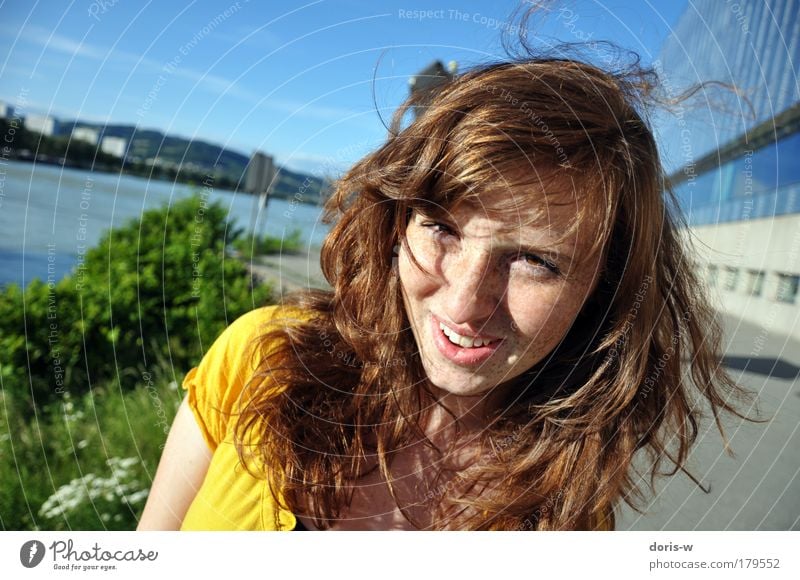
column 215, row 385
column 261, row 320
column 235, row 353
column 239, row 341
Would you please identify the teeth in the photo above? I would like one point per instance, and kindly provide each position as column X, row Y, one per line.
column 463, row 341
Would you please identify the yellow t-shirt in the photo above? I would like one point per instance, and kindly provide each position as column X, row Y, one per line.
column 230, row 497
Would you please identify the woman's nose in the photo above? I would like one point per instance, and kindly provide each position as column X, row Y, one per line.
column 473, row 288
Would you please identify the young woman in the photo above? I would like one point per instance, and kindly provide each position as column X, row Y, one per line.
column 513, row 317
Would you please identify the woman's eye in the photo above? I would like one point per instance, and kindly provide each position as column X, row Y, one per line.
column 438, row 228
column 536, row 261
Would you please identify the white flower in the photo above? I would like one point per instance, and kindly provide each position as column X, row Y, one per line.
column 137, row 496
column 119, row 489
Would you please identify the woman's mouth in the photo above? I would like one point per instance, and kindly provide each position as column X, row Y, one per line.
column 460, row 349
column 465, row 341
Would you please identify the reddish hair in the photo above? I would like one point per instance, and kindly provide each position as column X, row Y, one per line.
column 558, row 453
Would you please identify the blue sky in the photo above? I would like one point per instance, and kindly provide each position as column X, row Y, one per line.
column 305, row 81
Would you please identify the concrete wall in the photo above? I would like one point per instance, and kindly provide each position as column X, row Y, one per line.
column 738, row 249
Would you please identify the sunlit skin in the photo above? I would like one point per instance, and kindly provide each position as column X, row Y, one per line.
column 513, row 283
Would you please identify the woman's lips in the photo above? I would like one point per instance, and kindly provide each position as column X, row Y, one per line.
column 462, row 355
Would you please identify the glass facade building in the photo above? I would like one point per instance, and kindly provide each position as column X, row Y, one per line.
column 734, row 154
column 754, row 46
column 760, row 183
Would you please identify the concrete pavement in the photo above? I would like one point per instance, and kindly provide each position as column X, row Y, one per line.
column 758, row 488
column 287, row 272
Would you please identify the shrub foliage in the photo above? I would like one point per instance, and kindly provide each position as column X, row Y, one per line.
column 90, row 364
column 156, row 291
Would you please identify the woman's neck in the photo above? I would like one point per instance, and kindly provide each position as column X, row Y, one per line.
column 458, row 421
column 474, row 413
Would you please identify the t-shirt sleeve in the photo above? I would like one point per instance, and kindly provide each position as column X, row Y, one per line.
column 215, row 385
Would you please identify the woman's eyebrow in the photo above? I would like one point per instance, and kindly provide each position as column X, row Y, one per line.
column 544, row 239
column 564, row 252
column 512, row 240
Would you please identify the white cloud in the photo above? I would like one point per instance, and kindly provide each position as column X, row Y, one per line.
column 311, row 111
column 249, row 35
column 216, row 84
column 52, row 41
column 318, row 165
column 209, row 82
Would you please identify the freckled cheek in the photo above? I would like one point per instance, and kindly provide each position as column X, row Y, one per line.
column 414, row 281
column 539, row 318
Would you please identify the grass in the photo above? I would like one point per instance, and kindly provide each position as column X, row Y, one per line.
column 83, row 463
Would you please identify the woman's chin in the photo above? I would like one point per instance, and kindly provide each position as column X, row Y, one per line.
column 454, row 386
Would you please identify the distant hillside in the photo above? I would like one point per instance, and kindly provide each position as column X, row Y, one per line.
column 148, row 146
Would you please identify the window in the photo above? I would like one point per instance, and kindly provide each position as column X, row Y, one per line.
column 755, row 282
column 731, row 278
column 713, row 275
column 787, row 288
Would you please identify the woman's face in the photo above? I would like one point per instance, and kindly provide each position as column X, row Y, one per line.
column 499, row 293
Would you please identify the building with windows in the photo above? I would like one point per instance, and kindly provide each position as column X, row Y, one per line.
column 86, row 134
column 734, row 155
column 44, row 124
column 116, row 146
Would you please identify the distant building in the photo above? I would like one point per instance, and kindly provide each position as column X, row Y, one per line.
column 6, row 110
column 86, row 134
column 432, row 76
column 114, row 146
column 737, row 175
column 44, row 124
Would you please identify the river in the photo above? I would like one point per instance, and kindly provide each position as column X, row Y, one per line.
column 49, row 210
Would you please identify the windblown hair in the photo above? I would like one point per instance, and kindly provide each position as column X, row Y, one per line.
column 560, row 449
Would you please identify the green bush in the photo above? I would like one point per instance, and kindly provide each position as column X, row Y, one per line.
column 155, row 292
column 90, row 365
column 249, row 246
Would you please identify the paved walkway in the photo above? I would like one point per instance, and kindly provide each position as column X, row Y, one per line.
column 289, row 272
column 758, row 489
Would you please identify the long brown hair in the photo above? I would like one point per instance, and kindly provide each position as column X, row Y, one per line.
column 559, row 449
